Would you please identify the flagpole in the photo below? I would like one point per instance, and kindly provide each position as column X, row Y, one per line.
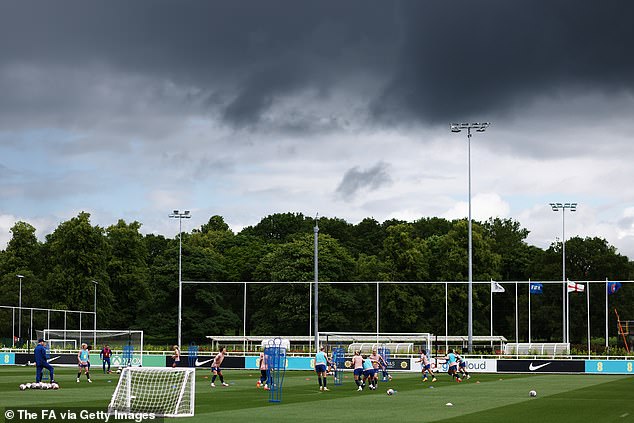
column 606, row 315
column 588, row 307
column 491, row 286
column 517, row 339
column 529, row 310
column 446, row 320
column 567, row 312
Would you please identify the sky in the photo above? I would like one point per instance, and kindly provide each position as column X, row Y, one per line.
column 243, row 108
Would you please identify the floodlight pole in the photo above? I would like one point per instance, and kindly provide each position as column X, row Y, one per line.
column 480, row 127
column 94, row 339
column 316, row 302
column 20, row 277
column 565, row 306
column 180, row 216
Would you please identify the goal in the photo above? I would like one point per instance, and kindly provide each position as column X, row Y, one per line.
column 162, row 391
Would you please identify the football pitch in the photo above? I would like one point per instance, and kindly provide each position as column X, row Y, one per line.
column 483, row 398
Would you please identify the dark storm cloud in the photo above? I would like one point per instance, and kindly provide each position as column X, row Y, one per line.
column 430, row 61
column 356, row 180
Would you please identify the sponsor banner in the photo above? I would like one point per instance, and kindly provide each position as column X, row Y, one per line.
column 541, row 366
column 116, row 360
column 473, row 365
column 7, row 358
column 204, row 361
column 619, row 367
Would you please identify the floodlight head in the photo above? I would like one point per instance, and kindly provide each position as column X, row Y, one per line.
column 175, row 211
column 455, row 127
column 573, row 206
column 19, row 276
column 186, row 212
column 95, row 282
column 555, row 206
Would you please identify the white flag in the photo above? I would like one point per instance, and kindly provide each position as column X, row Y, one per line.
column 496, row 287
column 575, row 287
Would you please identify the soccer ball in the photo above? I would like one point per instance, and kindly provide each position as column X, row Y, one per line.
column 390, row 391
column 36, row 385
column 54, row 386
column 22, row 387
column 29, row 385
column 533, row 393
column 44, row 386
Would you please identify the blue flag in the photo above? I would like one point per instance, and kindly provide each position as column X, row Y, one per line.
column 536, row 288
column 613, row 287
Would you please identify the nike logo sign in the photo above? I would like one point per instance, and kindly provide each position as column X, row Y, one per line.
column 200, row 363
column 54, row 358
column 533, row 368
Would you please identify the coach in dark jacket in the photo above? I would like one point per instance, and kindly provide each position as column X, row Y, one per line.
column 40, row 361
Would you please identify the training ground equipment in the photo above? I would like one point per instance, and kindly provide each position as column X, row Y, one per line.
column 192, row 354
column 339, row 362
column 163, row 391
column 128, row 353
column 275, row 356
column 385, row 354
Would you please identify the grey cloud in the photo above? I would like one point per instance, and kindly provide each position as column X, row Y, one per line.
column 432, row 61
column 356, row 180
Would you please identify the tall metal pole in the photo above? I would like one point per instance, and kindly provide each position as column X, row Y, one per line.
column 20, row 277
column 94, row 340
column 565, row 305
column 316, row 303
column 480, row 127
column 180, row 217
column 470, row 328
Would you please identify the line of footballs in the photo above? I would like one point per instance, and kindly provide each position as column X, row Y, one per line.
column 38, row 385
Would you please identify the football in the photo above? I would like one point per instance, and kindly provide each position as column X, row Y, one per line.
column 54, row 386
column 390, row 391
column 22, row 387
column 533, row 393
column 29, row 385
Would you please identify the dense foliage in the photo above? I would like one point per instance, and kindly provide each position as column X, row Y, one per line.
column 138, row 276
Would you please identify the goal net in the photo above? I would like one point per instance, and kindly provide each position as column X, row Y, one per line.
column 116, row 339
column 162, row 391
column 390, row 343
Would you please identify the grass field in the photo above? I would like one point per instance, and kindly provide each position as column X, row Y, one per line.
column 496, row 398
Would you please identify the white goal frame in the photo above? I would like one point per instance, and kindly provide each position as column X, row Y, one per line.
column 182, row 400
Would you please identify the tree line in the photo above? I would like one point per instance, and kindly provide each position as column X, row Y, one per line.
column 138, row 276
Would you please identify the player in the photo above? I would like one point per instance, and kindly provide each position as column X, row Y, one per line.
column 368, row 371
column 321, row 363
column 176, row 355
column 462, row 367
column 375, row 358
column 426, row 366
column 40, row 361
column 357, row 365
column 215, row 368
column 264, row 372
column 104, row 355
column 83, row 358
column 383, row 365
column 452, row 365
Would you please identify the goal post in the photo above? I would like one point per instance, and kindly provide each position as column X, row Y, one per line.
column 116, row 339
column 161, row 391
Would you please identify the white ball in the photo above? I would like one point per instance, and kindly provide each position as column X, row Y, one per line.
column 29, row 385
column 36, row 385
column 22, row 387
column 390, row 391
column 44, row 386
column 54, row 386
column 533, row 393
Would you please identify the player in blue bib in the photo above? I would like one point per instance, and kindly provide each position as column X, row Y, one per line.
column 452, row 365
column 321, row 363
column 83, row 357
column 368, row 371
